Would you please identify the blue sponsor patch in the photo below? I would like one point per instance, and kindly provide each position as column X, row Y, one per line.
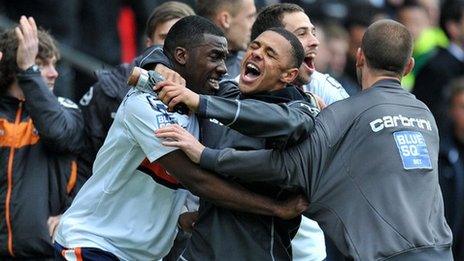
column 164, row 120
column 413, row 150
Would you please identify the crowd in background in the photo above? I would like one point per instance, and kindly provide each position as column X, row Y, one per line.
column 114, row 32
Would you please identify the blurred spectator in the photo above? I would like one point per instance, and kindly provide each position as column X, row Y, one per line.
column 39, row 133
column 322, row 60
column 235, row 18
column 451, row 166
column 63, row 24
column 359, row 18
column 162, row 19
column 143, row 10
column 433, row 11
column 445, row 64
column 426, row 37
column 337, row 41
column 337, row 45
column 414, row 17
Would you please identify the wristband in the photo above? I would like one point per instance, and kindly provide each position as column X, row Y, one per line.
column 33, row 69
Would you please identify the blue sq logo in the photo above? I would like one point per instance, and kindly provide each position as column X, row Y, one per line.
column 412, row 149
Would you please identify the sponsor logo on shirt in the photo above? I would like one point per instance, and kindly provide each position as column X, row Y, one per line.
column 413, row 150
column 164, row 120
column 399, row 120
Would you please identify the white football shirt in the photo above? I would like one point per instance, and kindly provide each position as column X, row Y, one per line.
column 130, row 205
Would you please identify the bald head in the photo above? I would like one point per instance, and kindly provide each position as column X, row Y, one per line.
column 387, row 46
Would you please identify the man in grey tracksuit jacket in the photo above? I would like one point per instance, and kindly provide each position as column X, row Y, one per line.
column 369, row 200
column 369, row 168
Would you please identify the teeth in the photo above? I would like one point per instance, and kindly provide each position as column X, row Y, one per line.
column 214, row 83
column 252, row 66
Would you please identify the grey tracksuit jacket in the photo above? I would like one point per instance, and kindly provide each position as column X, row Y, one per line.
column 369, row 170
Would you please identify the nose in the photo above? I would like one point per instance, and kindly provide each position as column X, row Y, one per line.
column 221, row 69
column 257, row 54
column 312, row 41
column 50, row 72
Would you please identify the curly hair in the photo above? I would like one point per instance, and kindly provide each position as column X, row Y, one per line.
column 9, row 47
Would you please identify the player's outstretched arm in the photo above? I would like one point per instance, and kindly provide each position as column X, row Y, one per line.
column 226, row 193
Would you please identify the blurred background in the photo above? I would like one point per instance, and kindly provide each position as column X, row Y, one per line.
column 100, row 34
column 96, row 34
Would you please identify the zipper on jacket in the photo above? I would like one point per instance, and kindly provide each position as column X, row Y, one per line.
column 10, row 185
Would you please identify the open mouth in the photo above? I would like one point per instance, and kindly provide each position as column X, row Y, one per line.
column 214, row 83
column 251, row 72
column 309, row 62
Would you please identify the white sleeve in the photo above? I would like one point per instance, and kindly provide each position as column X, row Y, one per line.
column 143, row 116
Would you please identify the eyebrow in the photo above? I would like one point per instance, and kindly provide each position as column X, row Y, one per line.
column 302, row 28
column 272, row 50
column 219, row 52
column 267, row 47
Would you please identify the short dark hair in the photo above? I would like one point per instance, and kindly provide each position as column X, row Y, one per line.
column 297, row 50
column 209, row 8
column 387, row 46
column 9, row 47
column 451, row 11
column 189, row 31
column 165, row 12
column 271, row 17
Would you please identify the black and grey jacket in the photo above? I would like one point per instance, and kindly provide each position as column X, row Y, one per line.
column 370, row 170
column 253, row 237
column 39, row 138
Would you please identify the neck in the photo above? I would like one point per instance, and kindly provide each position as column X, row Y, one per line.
column 279, row 86
column 16, row 92
column 370, row 77
column 180, row 70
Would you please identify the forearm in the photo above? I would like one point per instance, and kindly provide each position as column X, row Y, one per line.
column 212, row 188
column 254, row 166
column 60, row 126
column 260, row 119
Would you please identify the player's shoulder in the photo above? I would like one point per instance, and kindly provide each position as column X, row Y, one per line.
column 144, row 106
column 141, row 102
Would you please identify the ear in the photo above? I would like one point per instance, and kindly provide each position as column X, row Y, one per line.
column 148, row 42
column 409, row 66
column 181, row 55
column 289, row 75
column 360, row 59
column 223, row 20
